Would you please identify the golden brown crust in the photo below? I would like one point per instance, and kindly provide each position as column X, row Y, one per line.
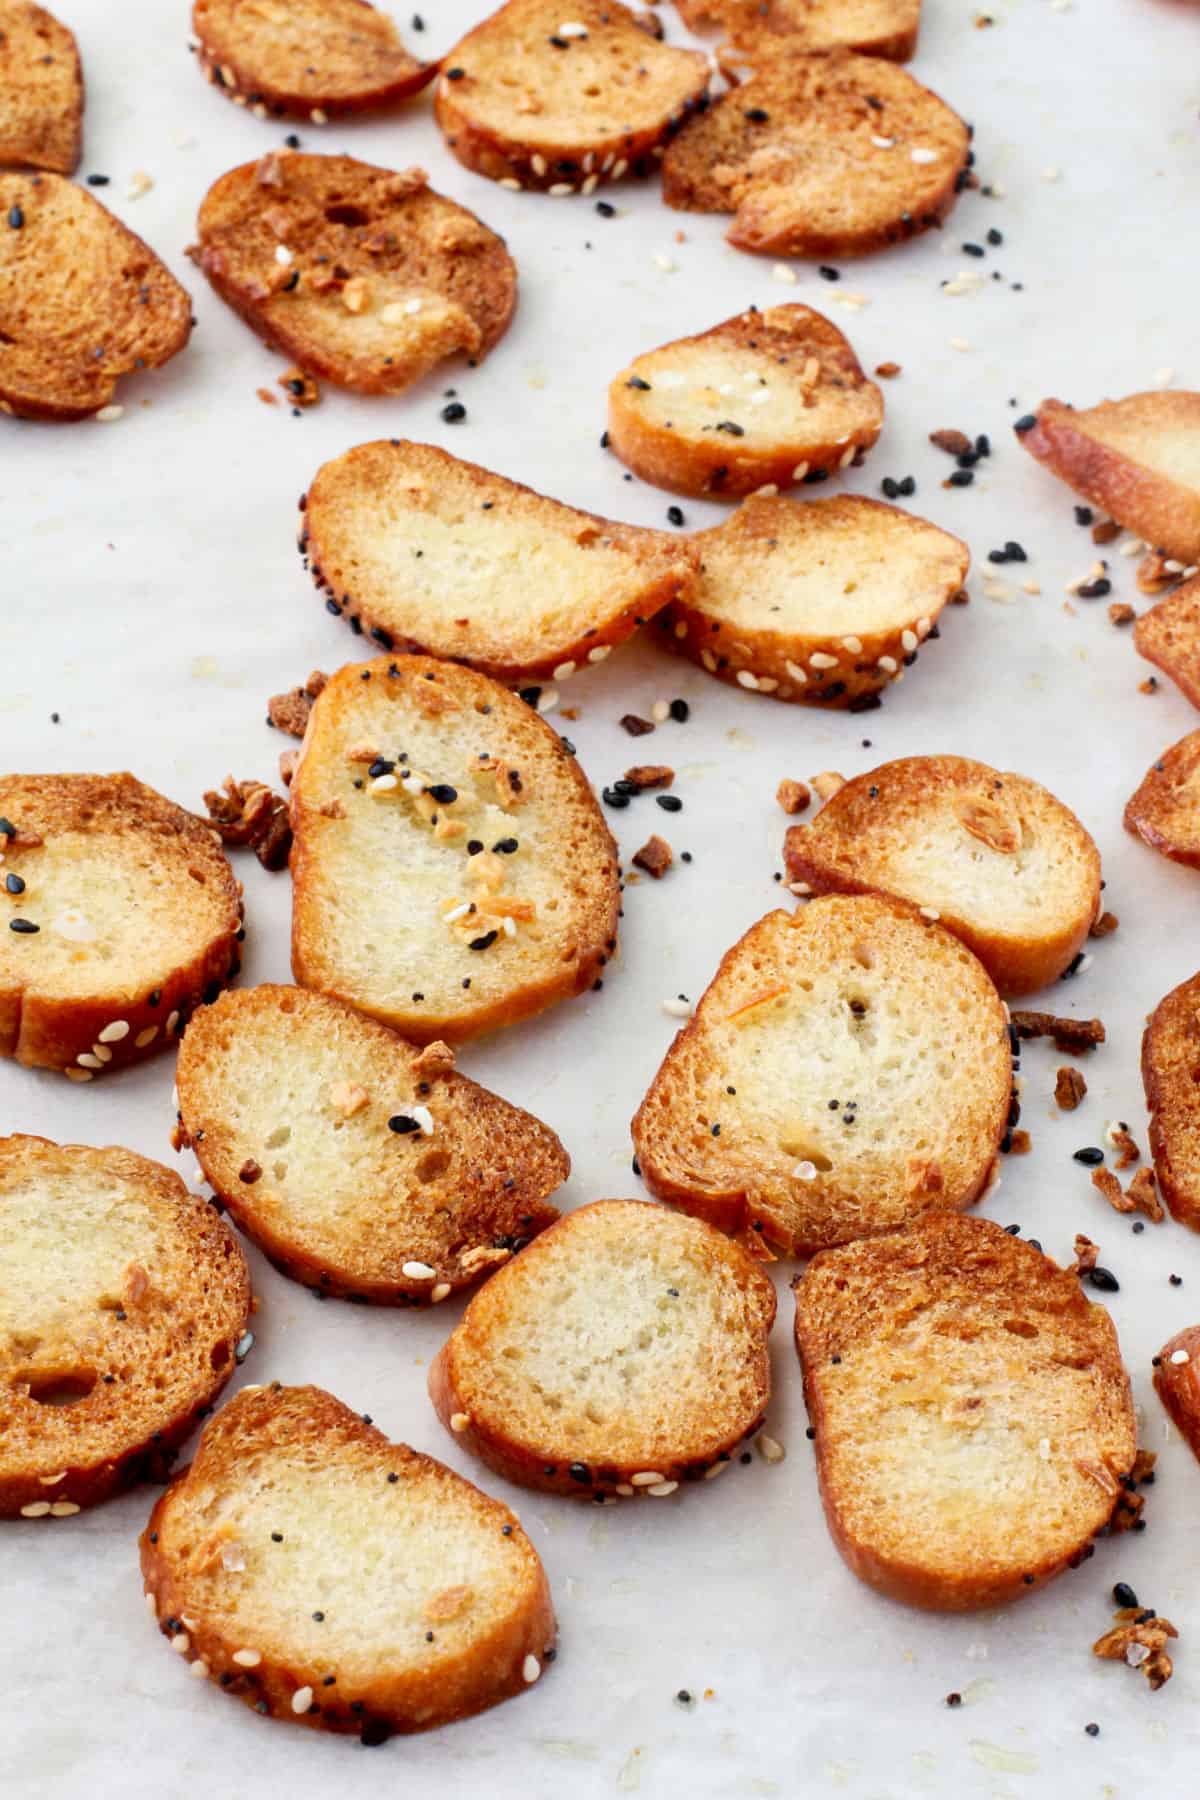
column 1169, row 637
column 500, row 99
column 460, row 1367
column 816, row 667
column 126, row 1426
column 1165, row 810
column 482, row 1199
column 363, row 276
column 830, row 155
column 271, row 1421
column 594, row 905
column 43, row 1026
column 41, row 90
column 397, row 475
column 846, row 849
column 874, row 1300
column 725, row 457
column 1177, row 1383
column 331, row 57
column 72, row 326
column 1170, row 1066
column 1094, row 450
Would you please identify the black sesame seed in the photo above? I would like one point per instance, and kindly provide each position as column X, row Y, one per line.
column 319, row 1617
column 669, row 802
column 16, row 217
column 454, row 74
column 1175, row 1280
column 635, row 381
column 973, row 250
column 485, row 942
column 581, row 1473
column 1092, row 1729
column 953, row 1699
column 1084, row 515
column 757, row 115
column 455, row 413
column 828, row 274
column 277, row 1537
column 730, row 427
column 443, row 793
column 14, row 884
column 611, row 797
column 1123, row 1594
column 908, row 486
column 402, row 1125
column 960, row 478
column 1091, row 1156
column 1025, row 423
column 98, row 180
column 674, row 515
column 680, row 711
column 1095, row 590
column 506, row 846
column 24, row 927
column 1105, row 1280
column 607, row 210
column 889, row 487
column 1015, row 551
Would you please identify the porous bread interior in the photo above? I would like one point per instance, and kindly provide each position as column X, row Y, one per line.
column 371, row 1555
column 823, row 567
column 614, row 80
column 153, row 901
column 630, row 1334
column 380, row 879
column 261, row 1072
column 920, row 848
column 119, row 1303
column 698, row 383
column 926, row 1061
column 1159, row 431
column 957, row 1428
column 409, row 537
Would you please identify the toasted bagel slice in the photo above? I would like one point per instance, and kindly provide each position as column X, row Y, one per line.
column 972, row 1415
column 533, row 106
column 308, row 57
column 759, row 29
column 452, row 871
column 424, row 552
column 41, row 90
column 325, row 1576
column 1168, row 635
column 1005, row 866
column 833, row 155
column 847, row 1069
column 623, row 1353
column 1138, row 459
column 1177, row 1383
column 120, row 914
column 1165, row 810
column 362, row 1167
column 764, row 399
column 365, row 278
column 1173, row 1098
column 72, row 325
column 124, row 1300
column 824, row 601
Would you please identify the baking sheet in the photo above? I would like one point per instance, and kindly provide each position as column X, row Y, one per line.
column 152, row 600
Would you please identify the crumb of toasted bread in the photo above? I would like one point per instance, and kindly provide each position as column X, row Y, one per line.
column 1105, row 925
column 655, row 856
column 1071, row 1035
column 1140, row 1642
column 1069, row 1088
column 303, row 389
column 793, row 796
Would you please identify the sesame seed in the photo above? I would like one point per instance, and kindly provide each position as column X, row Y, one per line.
column 564, row 671
column 87, row 1060
column 531, row 1668
column 172, row 1022
column 247, row 1659
column 769, row 1448
column 459, row 1421
column 440, row 1292
column 648, row 1478
column 1180, row 1356
column 112, row 1034
column 920, row 154
column 663, row 1488
column 37, row 1509
column 180, row 1642
column 302, row 1699
column 198, row 1670
column 145, row 1037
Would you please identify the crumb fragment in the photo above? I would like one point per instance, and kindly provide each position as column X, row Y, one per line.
column 1149, row 686
column 793, row 796
column 1086, row 1253
column 302, row 388
column 1154, row 573
column 1140, row 1640
column 1069, row 1088
column 1143, row 1191
column 435, row 1059
column 248, row 814
column 1020, row 1143
column 1121, row 613
column 655, row 856
column 827, row 784
column 635, row 726
column 289, row 712
column 1119, row 1137
column 954, row 443
column 267, row 397
column 888, row 371
column 1105, row 531
column 650, row 775
column 1105, row 925
column 1073, row 1036
column 347, row 1098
